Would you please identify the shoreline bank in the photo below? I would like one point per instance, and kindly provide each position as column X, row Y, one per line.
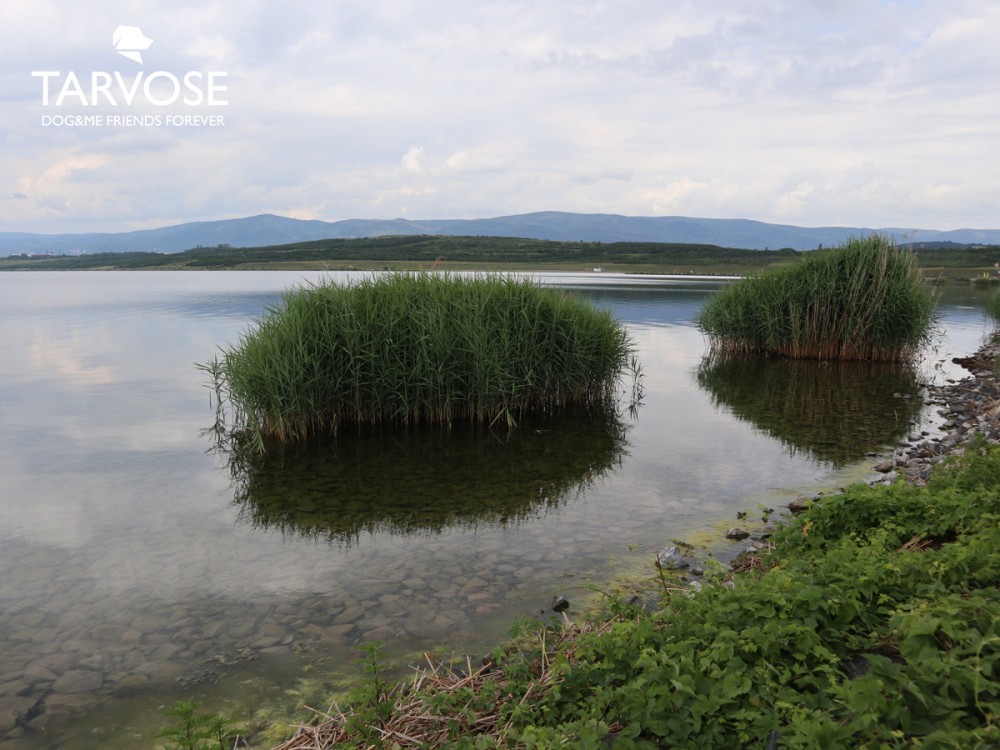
column 970, row 410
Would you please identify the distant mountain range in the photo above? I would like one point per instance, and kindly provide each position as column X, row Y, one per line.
column 268, row 229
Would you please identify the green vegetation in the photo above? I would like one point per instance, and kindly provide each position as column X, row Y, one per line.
column 495, row 477
column 993, row 307
column 425, row 252
column 419, row 349
column 937, row 258
column 873, row 621
column 198, row 731
column 861, row 301
column 816, row 407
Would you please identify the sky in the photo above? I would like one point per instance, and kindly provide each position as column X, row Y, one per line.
column 808, row 112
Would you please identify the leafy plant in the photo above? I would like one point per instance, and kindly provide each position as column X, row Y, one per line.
column 195, row 731
column 874, row 625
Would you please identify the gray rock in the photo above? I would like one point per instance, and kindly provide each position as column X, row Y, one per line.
column 800, row 504
column 350, row 615
column 273, row 630
column 737, row 533
column 39, row 673
column 128, row 685
column 78, row 681
column 473, row 584
column 386, row 633
column 488, row 609
column 671, row 559
column 11, row 709
column 62, row 707
column 14, row 688
column 881, row 478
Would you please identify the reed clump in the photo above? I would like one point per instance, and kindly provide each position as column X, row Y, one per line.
column 863, row 300
column 408, row 349
column 993, row 308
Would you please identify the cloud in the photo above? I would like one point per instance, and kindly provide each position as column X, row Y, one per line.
column 413, row 159
column 786, row 111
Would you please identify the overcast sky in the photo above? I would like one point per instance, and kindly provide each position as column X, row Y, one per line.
column 808, row 112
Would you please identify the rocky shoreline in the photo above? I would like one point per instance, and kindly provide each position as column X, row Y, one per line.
column 971, row 410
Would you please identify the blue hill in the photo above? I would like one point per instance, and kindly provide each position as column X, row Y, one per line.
column 268, row 229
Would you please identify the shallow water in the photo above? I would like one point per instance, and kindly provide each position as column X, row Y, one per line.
column 140, row 565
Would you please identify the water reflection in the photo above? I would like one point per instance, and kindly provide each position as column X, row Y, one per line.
column 119, row 554
column 423, row 481
column 833, row 411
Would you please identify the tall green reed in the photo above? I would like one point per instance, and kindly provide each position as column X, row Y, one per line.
column 418, row 349
column 993, row 308
column 863, row 300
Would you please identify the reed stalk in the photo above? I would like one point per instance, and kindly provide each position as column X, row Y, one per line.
column 993, row 308
column 408, row 349
column 861, row 301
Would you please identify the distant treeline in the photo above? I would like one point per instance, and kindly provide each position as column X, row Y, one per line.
column 953, row 255
column 427, row 249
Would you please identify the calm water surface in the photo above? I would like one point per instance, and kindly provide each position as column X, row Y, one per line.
column 140, row 565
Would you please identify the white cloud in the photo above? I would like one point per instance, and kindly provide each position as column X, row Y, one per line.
column 413, row 160
column 870, row 113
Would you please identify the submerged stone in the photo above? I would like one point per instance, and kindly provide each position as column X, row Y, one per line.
column 78, row 681
column 671, row 559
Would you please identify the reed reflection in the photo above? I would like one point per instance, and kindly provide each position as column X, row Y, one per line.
column 422, row 481
column 833, row 411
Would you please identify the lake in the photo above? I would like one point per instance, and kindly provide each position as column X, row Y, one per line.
column 142, row 563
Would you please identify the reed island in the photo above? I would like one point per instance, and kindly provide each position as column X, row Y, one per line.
column 419, row 349
column 863, row 300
